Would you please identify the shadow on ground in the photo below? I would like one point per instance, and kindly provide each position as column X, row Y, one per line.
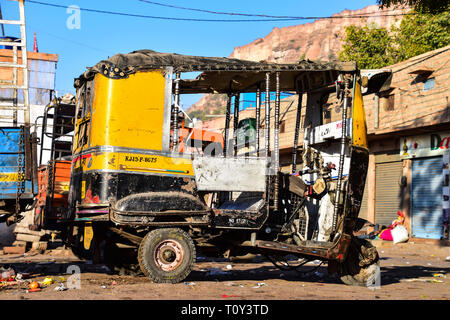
column 310, row 273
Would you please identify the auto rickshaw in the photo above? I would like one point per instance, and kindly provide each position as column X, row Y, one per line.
column 132, row 187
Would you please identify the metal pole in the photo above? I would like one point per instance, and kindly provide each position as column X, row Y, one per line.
column 175, row 111
column 236, row 122
column 258, row 117
column 276, row 147
column 267, row 115
column 227, row 125
column 297, row 128
column 342, row 153
column 15, row 83
column 1, row 18
column 23, row 38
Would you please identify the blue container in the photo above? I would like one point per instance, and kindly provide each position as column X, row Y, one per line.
column 9, row 165
column 9, row 39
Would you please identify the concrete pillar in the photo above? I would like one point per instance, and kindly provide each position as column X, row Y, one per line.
column 406, row 193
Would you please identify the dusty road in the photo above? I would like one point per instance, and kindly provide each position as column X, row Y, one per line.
column 408, row 272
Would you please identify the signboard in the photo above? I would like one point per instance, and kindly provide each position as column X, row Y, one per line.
column 428, row 145
column 246, row 131
column 326, row 132
column 446, row 195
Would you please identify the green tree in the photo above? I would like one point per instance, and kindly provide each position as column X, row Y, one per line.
column 421, row 33
column 374, row 47
column 370, row 46
column 424, row 6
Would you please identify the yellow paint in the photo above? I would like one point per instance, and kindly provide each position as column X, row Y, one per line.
column 155, row 164
column 83, row 125
column 9, row 177
column 135, row 162
column 359, row 119
column 83, row 189
column 88, row 235
column 129, row 112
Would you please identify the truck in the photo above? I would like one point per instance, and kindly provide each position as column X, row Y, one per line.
column 137, row 199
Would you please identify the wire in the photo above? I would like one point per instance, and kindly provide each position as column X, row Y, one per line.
column 358, row 16
column 155, row 17
column 208, row 20
column 75, row 42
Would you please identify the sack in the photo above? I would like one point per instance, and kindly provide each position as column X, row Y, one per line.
column 399, row 234
column 386, row 235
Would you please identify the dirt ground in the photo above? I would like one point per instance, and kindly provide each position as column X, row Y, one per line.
column 409, row 271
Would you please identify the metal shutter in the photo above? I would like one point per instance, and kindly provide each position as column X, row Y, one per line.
column 387, row 192
column 426, row 198
column 363, row 209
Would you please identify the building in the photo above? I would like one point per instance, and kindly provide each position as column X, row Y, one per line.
column 409, row 133
column 409, row 138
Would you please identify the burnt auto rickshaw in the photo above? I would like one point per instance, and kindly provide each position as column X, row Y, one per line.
column 132, row 187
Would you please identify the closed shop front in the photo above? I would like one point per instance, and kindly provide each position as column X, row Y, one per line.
column 426, row 198
column 387, row 191
column 428, row 186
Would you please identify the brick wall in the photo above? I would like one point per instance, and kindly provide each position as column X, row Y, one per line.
column 413, row 107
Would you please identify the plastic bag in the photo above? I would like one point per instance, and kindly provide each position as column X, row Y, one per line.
column 386, row 235
column 399, row 234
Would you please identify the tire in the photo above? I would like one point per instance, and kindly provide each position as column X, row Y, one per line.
column 362, row 265
column 167, row 255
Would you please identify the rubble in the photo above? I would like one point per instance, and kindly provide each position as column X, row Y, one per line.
column 14, row 250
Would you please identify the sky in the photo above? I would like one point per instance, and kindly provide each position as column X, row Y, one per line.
column 81, row 43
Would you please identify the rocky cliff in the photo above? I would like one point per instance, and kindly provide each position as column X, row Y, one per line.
column 318, row 40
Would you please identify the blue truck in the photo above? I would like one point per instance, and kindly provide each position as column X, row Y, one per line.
column 18, row 173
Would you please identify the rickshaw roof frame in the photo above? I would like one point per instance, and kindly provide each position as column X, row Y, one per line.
column 219, row 75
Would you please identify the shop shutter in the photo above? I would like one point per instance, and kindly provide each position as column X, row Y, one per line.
column 426, row 198
column 363, row 209
column 387, row 192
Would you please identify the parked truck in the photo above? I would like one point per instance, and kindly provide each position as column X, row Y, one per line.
column 132, row 187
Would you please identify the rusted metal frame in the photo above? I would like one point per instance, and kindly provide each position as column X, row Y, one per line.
column 296, row 133
column 267, row 136
column 235, row 122
column 44, row 126
column 140, row 222
column 162, row 213
column 131, row 237
column 289, row 248
column 175, row 112
column 330, row 251
column 28, row 154
column 166, row 138
column 276, row 147
column 343, row 142
column 267, row 115
column 258, row 117
column 227, row 124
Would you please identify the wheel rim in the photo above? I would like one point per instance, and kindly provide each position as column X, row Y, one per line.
column 168, row 255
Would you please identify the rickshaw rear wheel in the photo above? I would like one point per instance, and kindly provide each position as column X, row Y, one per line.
column 167, row 255
column 362, row 265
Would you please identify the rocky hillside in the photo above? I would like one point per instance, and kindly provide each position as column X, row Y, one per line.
column 318, row 40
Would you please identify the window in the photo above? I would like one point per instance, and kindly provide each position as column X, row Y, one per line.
column 387, row 102
column 282, row 126
column 428, row 84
